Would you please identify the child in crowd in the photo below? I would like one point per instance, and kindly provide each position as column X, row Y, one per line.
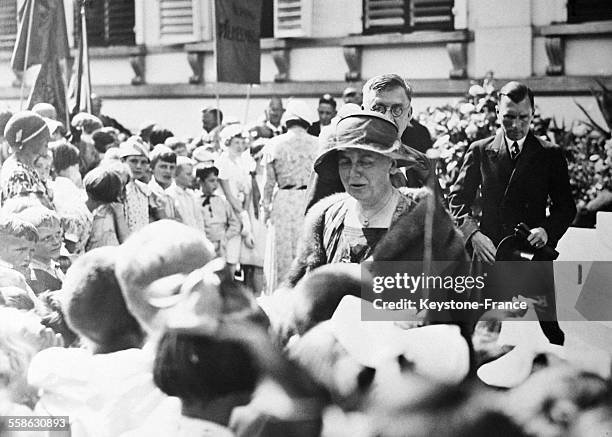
column 163, row 165
column 17, row 242
column 104, row 139
column 134, row 153
column 83, row 126
column 177, row 145
column 163, row 248
column 104, row 188
column 105, row 388
column 211, row 374
column 185, row 200
column 220, row 221
column 69, row 196
column 21, row 336
column 46, row 273
column 42, row 165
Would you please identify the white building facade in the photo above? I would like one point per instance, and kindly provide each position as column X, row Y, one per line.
column 153, row 59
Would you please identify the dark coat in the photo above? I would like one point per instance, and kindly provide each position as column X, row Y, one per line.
column 404, row 241
column 513, row 192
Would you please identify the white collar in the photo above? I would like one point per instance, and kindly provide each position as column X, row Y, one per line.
column 519, row 142
column 275, row 129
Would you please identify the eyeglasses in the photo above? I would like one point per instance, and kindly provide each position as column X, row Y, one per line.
column 396, row 110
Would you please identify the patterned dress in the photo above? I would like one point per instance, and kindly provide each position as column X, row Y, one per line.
column 136, row 205
column 19, row 179
column 289, row 159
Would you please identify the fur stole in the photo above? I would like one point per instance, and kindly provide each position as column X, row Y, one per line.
column 404, row 241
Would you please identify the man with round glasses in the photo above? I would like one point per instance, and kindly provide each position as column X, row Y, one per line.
column 390, row 95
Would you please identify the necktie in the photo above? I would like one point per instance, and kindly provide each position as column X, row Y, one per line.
column 515, row 150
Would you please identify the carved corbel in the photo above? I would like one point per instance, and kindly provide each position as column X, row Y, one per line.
column 138, row 65
column 281, row 59
column 352, row 57
column 555, row 50
column 457, row 52
column 196, row 62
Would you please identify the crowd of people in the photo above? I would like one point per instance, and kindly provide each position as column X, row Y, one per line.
column 152, row 285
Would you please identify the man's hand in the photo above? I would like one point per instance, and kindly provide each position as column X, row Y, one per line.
column 483, row 248
column 538, row 237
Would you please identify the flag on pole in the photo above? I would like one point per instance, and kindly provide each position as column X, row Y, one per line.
column 237, row 48
column 42, row 38
column 79, row 90
column 47, row 33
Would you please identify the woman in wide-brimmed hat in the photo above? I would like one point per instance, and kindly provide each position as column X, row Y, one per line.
column 372, row 220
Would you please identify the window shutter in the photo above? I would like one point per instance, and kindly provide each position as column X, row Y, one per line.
column 407, row 15
column 109, row 22
column 292, row 18
column 176, row 21
column 432, row 14
column 8, row 24
column 120, row 18
column 384, row 15
column 579, row 11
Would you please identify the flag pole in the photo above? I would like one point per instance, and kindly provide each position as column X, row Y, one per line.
column 27, row 54
column 86, row 57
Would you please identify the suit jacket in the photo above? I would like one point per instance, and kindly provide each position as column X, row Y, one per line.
column 513, row 192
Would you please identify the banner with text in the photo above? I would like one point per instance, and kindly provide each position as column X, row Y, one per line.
column 237, row 40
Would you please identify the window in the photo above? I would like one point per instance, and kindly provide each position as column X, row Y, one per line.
column 293, row 18
column 407, row 15
column 8, row 24
column 579, row 11
column 109, row 23
column 267, row 19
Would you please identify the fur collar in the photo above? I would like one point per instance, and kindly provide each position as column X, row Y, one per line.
column 404, row 241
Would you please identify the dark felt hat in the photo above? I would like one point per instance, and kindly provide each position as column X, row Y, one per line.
column 26, row 127
column 365, row 130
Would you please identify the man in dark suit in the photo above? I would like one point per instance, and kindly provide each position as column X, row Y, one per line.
column 326, row 111
column 517, row 174
column 390, row 95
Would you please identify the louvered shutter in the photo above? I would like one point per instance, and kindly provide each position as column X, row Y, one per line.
column 96, row 34
column 8, row 24
column 431, row 14
column 109, row 22
column 579, row 11
column 176, row 21
column 120, row 18
column 384, row 15
column 292, row 18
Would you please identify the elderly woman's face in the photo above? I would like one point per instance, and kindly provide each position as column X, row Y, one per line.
column 364, row 174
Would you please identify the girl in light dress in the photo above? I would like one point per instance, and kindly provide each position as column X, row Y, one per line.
column 236, row 170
